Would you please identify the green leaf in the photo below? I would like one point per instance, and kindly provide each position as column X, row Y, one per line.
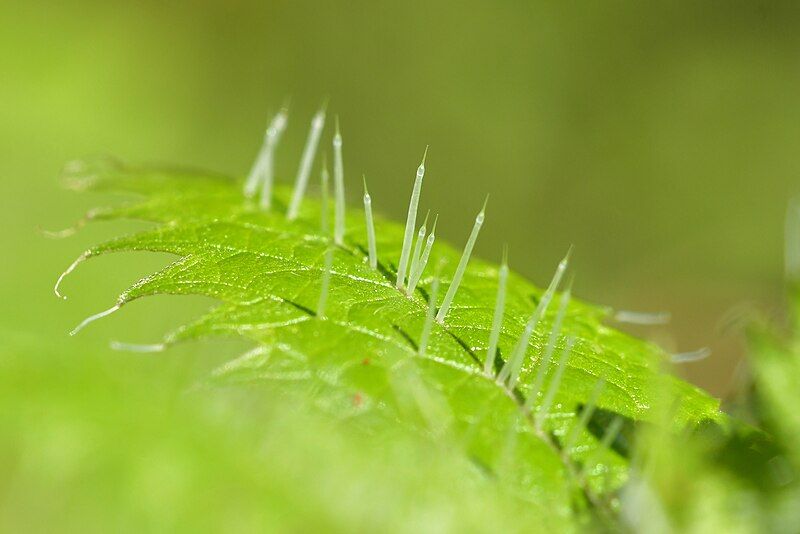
column 267, row 274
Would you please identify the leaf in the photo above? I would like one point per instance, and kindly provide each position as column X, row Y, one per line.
column 268, row 272
column 126, row 441
column 740, row 475
column 775, row 361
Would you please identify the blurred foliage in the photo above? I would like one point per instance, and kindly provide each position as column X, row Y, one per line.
column 99, row 443
column 739, row 477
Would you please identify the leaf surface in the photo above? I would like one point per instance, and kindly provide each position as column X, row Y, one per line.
column 267, row 274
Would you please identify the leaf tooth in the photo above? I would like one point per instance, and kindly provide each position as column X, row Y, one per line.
column 544, row 363
column 411, row 223
column 497, row 319
column 555, row 383
column 57, row 287
column 429, row 316
column 462, row 264
column 338, row 185
column 306, row 161
column 417, row 274
column 70, row 230
column 262, row 171
column 326, row 280
column 96, row 316
column 373, row 252
column 514, row 362
column 586, row 414
column 416, row 255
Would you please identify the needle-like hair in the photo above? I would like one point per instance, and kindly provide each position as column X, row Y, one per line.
column 66, row 273
column 338, row 186
column 268, row 180
column 136, row 347
column 555, row 383
column 93, row 318
column 326, row 281
column 544, row 362
column 323, row 210
column 307, row 160
column 791, row 252
column 642, row 318
column 411, row 223
column 371, row 245
column 416, row 255
column 586, row 414
column 416, row 275
column 610, row 434
column 612, row 431
column 692, row 356
column 462, row 264
column 426, row 328
column 262, row 170
column 497, row 319
column 514, row 362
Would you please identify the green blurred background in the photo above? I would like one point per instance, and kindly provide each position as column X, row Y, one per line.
column 658, row 138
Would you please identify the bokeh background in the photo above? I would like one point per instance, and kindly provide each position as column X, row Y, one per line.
column 658, row 138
